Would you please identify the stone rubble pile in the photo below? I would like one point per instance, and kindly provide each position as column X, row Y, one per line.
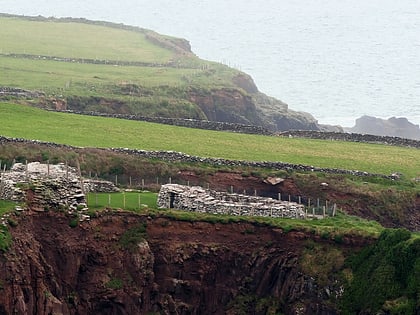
column 198, row 199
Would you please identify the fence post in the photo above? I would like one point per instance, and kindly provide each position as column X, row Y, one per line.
column 323, row 213
column 279, row 196
column 109, row 200
column 139, row 201
column 142, row 184
column 124, row 200
column 300, row 199
column 334, row 209
column 231, row 189
column 170, row 180
column 67, row 170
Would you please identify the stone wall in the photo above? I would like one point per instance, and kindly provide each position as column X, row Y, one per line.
column 258, row 130
column 197, row 199
column 172, row 156
column 189, row 123
column 352, row 137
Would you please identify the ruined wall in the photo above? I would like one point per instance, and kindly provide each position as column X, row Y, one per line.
column 197, row 199
column 43, row 186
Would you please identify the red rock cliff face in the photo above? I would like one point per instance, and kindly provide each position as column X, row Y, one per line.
column 178, row 268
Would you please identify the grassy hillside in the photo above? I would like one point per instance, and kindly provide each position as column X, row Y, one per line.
column 78, row 40
column 139, row 69
column 31, row 123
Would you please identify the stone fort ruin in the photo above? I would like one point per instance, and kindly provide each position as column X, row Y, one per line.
column 48, row 186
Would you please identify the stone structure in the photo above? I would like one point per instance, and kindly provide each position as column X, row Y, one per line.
column 197, row 199
column 43, row 186
column 183, row 122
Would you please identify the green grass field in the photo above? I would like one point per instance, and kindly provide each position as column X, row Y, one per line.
column 85, row 131
column 133, row 201
column 96, row 79
column 77, row 40
column 67, row 39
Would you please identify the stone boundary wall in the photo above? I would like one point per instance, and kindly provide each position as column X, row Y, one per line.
column 19, row 93
column 181, row 122
column 172, row 156
column 352, row 137
column 258, row 130
column 197, row 199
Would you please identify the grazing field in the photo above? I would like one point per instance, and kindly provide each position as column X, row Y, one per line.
column 25, row 42
column 78, row 40
column 100, row 80
column 133, row 201
column 86, row 131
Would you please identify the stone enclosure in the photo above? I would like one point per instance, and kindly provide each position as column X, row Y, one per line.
column 198, row 199
column 48, row 186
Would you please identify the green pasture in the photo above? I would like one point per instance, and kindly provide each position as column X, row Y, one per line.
column 85, row 131
column 95, row 79
column 77, row 40
column 133, row 201
column 330, row 228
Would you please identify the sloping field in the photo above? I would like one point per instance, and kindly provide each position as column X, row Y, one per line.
column 86, row 131
column 78, row 40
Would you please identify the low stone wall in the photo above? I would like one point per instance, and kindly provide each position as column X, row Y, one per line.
column 100, row 186
column 197, row 199
column 19, row 93
column 172, row 156
column 352, row 137
column 189, row 123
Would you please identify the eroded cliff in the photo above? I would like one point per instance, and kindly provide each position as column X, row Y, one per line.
column 122, row 263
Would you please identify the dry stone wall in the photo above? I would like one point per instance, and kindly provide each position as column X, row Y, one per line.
column 352, row 137
column 197, row 199
column 189, row 123
column 172, row 156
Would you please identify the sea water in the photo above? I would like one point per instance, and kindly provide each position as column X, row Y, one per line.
column 337, row 60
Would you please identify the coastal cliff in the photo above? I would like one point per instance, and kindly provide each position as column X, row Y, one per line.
column 122, row 263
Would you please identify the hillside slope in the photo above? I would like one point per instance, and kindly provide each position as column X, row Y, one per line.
column 100, row 66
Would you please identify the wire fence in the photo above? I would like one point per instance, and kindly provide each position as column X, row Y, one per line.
column 314, row 207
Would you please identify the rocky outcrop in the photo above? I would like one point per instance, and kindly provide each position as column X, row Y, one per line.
column 121, row 263
column 393, row 127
